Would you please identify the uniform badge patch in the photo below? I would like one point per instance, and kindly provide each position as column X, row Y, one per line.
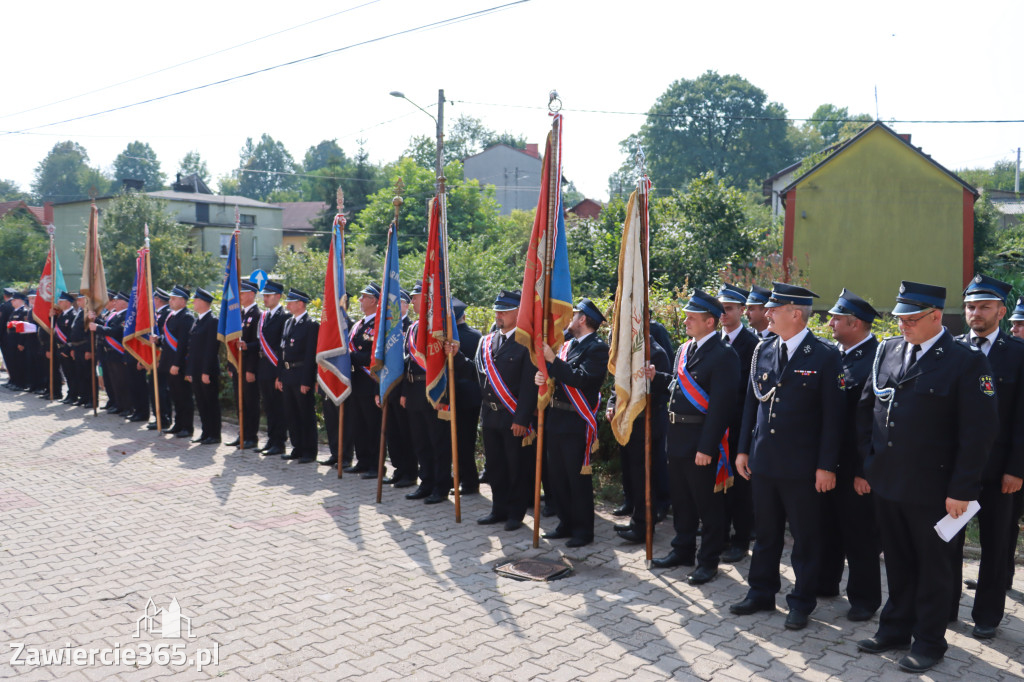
column 842, row 381
column 986, row 385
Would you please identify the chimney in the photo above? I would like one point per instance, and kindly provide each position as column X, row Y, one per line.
column 532, row 150
column 905, row 137
column 48, row 213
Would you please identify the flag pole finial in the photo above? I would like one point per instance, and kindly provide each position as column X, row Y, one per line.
column 554, row 102
column 341, row 199
column 398, row 201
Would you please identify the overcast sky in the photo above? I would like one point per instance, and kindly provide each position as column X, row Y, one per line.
column 939, row 60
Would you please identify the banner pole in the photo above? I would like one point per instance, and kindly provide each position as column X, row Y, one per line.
column 153, row 330
column 53, row 302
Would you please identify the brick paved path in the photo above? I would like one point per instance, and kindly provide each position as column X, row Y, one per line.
column 293, row 574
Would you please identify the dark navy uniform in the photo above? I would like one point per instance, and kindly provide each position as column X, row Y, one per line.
column 62, row 348
column 789, row 434
column 467, row 406
column 79, row 345
column 250, row 364
column 269, row 340
column 399, row 438
column 110, row 333
column 6, row 308
column 161, row 376
column 202, row 359
column 739, row 503
column 361, row 406
column 430, row 435
column 296, row 369
column 174, row 339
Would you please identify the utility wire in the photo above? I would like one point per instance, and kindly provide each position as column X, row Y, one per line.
column 416, row 29
column 189, row 61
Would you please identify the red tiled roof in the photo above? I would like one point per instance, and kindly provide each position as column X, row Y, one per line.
column 35, row 211
column 299, row 215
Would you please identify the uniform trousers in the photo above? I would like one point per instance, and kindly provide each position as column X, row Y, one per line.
column 431, row 440
column 84, row 372
column 184, row 405
column 994, row 521
column 918, row 572
column 849, row 532
column 574, row 491
column 739, row 506
column 466, row 423
column 139, row 389
column 776, row 501
column 366, row 433
column 66, row 367
column 207, row 397
column 300, row 411
column 695, row 502
column 634, row 476
column 163, row 386
column 510, row 472
column 273, row 407
column 250, row 406
column 400, row 450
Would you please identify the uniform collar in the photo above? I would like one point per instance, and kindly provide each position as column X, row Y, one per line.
column 856, row 345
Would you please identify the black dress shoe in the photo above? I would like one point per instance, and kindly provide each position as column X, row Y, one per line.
column 418, row 494
column 623, row 510
column 859, row 613
column 356, row 469
column 183, row 434
column 491, row 519
column 918, row 663
column 557, row 534
column 796, row 620
column 116, row 410
column 405, row 482
column 249, row 445
column 703, row 574
column 307, row 459
column 623, row 526
column 151, row 426
column 875, row 645
column 971, row 584
column 983, row 632
column 734, row 554
column 632, row 536
column 275, row 450
column 332, row 462
column 388, row 480
column 513, row 524
column 170, row 429
column 749, row 606
column 579, row 542
column 471, row 490
column 673, row 558
column 139, row 418
column 209, row 440
column 372, row 473
column 436, row 498
column 232, row 444
column 288, row 455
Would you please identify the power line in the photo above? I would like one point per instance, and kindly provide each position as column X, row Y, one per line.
column 189, row 61
column 422, row 27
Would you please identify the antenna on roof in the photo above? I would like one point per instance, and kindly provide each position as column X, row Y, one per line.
column 877, row 117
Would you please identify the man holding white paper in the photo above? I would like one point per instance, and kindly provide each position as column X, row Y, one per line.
column 926, row 422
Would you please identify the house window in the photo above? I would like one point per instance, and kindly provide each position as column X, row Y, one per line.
column 245, row 219
column 202, row 213
column 225, row 245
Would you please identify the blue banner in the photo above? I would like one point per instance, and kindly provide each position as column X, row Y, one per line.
column 229, row 324
column 388, row 355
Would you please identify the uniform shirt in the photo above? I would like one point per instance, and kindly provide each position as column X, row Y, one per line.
column 986, row 348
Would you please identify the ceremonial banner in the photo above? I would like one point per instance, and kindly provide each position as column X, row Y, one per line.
column 627, row 356
column 138, row 318
column 51, row 286
column 388, row 357
column 547, row 247
column 94, row 282
column 229, row 324
column 436, row 302
column 334, row 364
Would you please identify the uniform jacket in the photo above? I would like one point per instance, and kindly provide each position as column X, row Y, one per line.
column 467, row 388
column 361, row 336
column 932, row 441
column 856, row 372
column 178, row 325
column 584, row 368
column 716, row 369
column 1006, row 357
column 297, row 363
column 273, row 328
column 512, row 362
column 78, row 337
column 250, row 327
column 202, row 349
column 800, row 430
column 6, row 308
column 113, row 327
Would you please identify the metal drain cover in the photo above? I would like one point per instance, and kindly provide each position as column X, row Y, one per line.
column 534, row 569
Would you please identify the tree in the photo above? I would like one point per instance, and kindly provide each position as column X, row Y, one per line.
column 64, row 174
column 467, row 136
column 192, row 163
column 265, row 167
column 1001, row 175
column 327, row 153
column 227, row 185
column 834, row 124
column 716, row 123
column 175, row 258
column 138, row 162
column 10, row 191
column 23, row 247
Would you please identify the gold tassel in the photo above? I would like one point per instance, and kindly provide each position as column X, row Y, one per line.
column 586, row 470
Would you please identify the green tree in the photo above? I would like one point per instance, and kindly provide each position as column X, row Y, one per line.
column 265, row 166
column 326, row 153
column 717, row 123
column 834, row 124
column 192, row 163
column 227, row 185
column 1001, row 176
column 987, row 245
column 138, row 162
column 23, row 247
column 175, row 258
column 303, row 270
column 467, row 136
column 10, row 191
column 64, row 174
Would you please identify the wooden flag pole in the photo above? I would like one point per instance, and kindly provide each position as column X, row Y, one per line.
column 95, row 390
column 341, row 435
column 397, row 203
column 53, row 302
column 549, row 248
column 449, row 336
column 383, row 443
column 239, row 371
column 153, row 330
column 644, row 254
column 341, row 406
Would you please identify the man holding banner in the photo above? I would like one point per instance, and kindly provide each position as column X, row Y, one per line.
column 202, row 368
column 297, row 377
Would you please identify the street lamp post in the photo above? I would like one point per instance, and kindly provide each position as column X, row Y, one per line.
column 439, row 120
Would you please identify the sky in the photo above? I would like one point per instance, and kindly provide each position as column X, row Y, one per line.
column 940, row 61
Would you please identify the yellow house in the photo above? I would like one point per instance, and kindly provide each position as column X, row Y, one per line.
column 877, row 211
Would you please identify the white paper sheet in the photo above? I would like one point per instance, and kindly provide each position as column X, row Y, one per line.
column 948, row 527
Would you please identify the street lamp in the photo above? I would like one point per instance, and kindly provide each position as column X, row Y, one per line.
column 439, row 120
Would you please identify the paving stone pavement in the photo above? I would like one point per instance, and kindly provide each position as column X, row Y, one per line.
column 292, row 574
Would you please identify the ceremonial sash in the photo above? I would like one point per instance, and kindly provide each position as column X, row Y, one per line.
column 115, row 344
column 410, row 344
column 497, row 383
column 172, row 340
column 61, row 336
column 699, row 399
column 263, row 340
column 352, row 345
column 587, row 413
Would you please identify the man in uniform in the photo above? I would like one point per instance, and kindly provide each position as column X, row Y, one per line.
column 268, row 336
column 789, row 449
column 739, row 503
column 331, row 414
column 1017, row 319
column 297, row 377
column 848, row 529
column 6, row 308
column 173, row 339
column 756, row 312
column 571, row 422
column 361, row 406
column 161, row 310
column 399, row 438
column 62, row 364
column 703, row 386
column 110, row 334
column 509, row 399
column 202, row 368
column 926, row 424
column 467, row 403
column 249, row 346
column 81, row 354
column 984, row 308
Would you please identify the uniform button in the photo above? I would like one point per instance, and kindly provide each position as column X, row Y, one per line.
column 892, row 423
column 778, row 400
column 895, row 404
column 931, row 390
column 774, row 415
column 890, row 444
column 773, row 430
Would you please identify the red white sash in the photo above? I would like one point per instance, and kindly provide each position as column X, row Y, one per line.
column 587, row 413
column 267, row 350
